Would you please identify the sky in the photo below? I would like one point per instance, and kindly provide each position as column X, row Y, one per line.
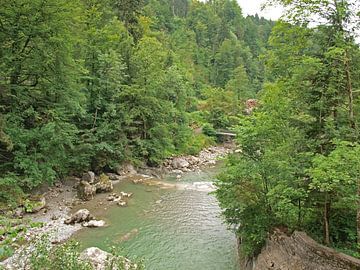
column 251, row 7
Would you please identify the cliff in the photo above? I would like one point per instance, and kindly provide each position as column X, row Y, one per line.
column 299, row 252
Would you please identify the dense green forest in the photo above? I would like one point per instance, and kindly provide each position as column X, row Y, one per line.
column 89, row 84
column 300, row 162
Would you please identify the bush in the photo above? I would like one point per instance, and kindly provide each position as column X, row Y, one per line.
column 10, row 193
column 198, row 142
column 66, row 256
column 209, row 130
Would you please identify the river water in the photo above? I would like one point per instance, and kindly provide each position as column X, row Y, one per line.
column 172, row 227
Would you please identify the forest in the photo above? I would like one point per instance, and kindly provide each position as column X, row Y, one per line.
column 91, row 84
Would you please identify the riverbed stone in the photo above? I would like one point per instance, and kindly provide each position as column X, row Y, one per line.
column 122, row 203
column 125, row 194
column 94, row 223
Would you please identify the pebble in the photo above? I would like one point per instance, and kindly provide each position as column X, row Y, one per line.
column 121, row 203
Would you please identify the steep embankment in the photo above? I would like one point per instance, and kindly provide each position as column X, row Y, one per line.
column 299, row 252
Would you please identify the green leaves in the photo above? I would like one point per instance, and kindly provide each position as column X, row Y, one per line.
column 337, row 171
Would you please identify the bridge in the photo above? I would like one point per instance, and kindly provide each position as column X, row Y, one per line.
column 225, row 134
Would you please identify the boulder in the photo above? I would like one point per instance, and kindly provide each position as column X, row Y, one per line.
column 82, row 215
column 179, row 163
column 104, row 184
column 88, row 177
column 94, row 223
column 86, row 191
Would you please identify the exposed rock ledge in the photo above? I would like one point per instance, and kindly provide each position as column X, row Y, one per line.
column 299, row 252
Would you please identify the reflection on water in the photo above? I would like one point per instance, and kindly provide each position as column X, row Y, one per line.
column 176, row 229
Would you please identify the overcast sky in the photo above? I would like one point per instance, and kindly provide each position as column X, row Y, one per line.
column 251, row 7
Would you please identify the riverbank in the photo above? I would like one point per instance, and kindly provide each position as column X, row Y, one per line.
column 62, row 199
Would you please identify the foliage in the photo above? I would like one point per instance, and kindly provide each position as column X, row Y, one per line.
column 299, row 165
column 66, row 256
column 10, row 192
column 12, row 229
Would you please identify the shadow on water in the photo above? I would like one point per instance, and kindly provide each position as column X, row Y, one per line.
column 173, row 228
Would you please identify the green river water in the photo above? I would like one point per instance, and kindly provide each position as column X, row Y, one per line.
column 176, row 228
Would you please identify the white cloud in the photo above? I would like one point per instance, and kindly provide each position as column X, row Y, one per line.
column 251, row 7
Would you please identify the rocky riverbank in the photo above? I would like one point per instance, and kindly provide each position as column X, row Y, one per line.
column 298, row 252
column 207, row 157
column 75, row 193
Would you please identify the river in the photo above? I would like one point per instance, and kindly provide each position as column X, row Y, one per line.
column 171, row 228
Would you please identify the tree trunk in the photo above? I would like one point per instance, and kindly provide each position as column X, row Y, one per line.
column 349, row 90
column 173, row 8
column 326, row 222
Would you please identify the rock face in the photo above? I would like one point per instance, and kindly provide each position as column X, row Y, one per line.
column 83, row 215
column 86, row 191
column 104, row 184
column 299, row 252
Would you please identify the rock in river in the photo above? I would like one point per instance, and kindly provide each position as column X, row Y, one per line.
column 80, row 216
column 94, row 223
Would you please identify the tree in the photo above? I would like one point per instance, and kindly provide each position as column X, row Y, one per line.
column 39, row 89
column 299, row 148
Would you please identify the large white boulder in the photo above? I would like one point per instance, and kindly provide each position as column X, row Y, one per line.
column 80, row 216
